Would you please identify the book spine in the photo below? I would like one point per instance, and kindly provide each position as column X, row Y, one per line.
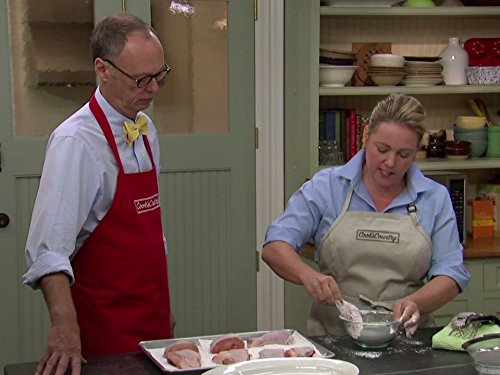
column 352, row 132
column 330, row 125
column 344, row 143
column 322, row 125
column 338, row 125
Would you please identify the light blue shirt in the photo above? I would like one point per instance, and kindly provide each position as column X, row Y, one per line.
column 77, row 187
column 313, row 209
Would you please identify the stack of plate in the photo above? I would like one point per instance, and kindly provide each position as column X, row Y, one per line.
column 337, row 57
column 386, row 75
column 423, row 73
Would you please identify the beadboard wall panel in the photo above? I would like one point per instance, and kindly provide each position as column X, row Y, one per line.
column 196, row 209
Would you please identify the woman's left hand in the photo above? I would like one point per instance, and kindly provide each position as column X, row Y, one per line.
column 407, row 312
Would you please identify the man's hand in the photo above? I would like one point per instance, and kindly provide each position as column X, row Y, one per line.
column 64, row 347
column 63, row 351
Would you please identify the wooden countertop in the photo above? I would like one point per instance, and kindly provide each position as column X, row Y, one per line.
column 482, row 248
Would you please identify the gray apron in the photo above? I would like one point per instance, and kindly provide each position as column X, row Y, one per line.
column 376, row 258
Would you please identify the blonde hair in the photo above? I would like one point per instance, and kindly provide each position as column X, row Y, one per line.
column 400, row 108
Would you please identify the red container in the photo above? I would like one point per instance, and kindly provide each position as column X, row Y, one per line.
column 483, row 51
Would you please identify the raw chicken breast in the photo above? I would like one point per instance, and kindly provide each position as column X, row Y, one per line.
column 231, row 356
column 272, row 353
column 184, row 358
column 274, row 337
column 226, row 342
column 181, row 345
column 300, row 351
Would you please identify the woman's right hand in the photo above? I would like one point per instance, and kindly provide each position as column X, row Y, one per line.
column 322, row 288
column 285, row 262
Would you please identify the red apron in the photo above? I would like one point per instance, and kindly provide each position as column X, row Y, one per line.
column 121, row 289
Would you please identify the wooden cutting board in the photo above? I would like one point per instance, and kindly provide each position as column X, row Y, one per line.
column 363, row 53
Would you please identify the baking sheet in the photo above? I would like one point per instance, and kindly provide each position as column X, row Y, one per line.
column 154, row 349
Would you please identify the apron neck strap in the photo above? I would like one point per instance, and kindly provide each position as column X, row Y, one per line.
column 106, row 129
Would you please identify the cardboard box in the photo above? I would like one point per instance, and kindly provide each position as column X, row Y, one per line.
column 482, row 218
column 492, row 191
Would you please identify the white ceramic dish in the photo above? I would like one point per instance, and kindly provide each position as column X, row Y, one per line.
column 335, row 75
column 387, row 60
column 288, row 366
column 386, row 80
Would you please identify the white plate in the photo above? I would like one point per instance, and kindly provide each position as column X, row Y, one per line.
column 288, row 366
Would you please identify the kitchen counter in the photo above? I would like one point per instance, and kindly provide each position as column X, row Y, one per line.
column 404, row 356
column 482, row 248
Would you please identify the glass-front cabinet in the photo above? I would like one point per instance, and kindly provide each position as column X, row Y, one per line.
column 53, row 76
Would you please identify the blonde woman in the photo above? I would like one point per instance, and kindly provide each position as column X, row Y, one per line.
column 385, row 236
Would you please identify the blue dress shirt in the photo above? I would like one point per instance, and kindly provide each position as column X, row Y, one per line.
column 77, row 187
column 312, row 209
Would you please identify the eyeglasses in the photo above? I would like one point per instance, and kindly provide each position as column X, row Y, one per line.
column 144, row 81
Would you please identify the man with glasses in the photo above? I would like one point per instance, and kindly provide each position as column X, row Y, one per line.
column 96, row 246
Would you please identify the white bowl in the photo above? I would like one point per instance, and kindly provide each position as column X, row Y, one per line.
column 386, row 80
column 376, row 329
column 387, row 59
column 335, row 75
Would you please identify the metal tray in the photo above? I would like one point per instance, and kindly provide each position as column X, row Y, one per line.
column 154, row 349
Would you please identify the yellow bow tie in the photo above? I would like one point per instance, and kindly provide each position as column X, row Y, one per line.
column 133, row 130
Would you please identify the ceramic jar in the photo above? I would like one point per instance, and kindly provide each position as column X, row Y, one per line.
column 454, row 59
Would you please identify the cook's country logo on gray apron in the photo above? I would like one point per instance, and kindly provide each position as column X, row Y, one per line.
column 147, row 204
column 375, row 235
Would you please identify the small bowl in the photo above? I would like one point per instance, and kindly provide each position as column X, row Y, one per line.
column 470, row 122
column 335, row 75
column 387, row 60
column 457, row 147
column 485, row 352
column 376, row 329
column 386, row 80
column 459, row 129
column 478, row 148
column 471, row 136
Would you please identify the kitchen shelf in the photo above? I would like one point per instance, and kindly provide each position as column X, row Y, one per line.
column 62, row 61
column 444, row 164
column 482, row 248
column 449, row 165
column 412, row 90
column 411, row 32
column 410, row 12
